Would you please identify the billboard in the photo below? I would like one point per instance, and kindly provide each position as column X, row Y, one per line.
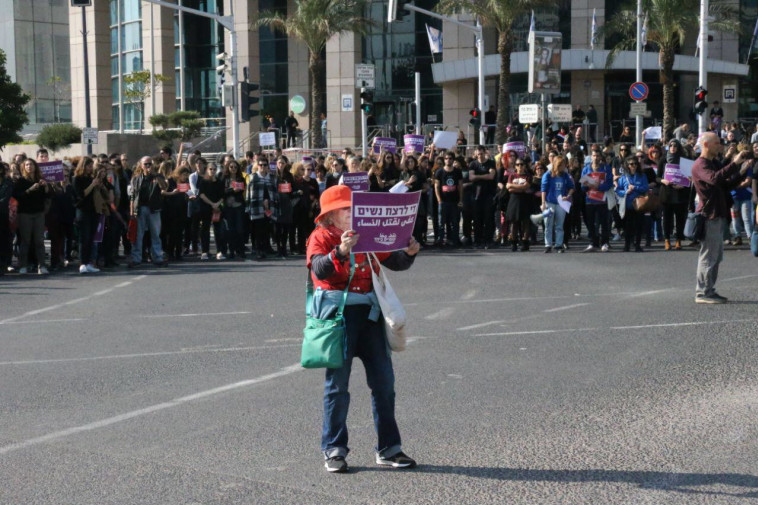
column 545, row 62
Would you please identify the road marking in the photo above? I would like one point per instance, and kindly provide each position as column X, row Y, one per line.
column 525, row 298
column 145, row 355
column 558, row 309
column 640, row 327
column 66, row 304
column 46, row 321
column 647, row 293
column 198, row 314
column 738, row 278
column 57, row 435
column 442, row 314
column 480, row 325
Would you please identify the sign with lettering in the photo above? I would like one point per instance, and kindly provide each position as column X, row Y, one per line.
column 384, row 221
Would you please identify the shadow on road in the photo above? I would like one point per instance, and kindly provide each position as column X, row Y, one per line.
column 689, row 483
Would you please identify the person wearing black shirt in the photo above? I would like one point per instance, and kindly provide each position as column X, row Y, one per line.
column 211, row 198
column 31, row 191
column 482, row 175
column 490, row 121
column 448, row 187
column 291, row 124
column 146, row 204
column 234, row 209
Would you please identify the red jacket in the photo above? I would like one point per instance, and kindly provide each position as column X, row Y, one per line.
column 324, row 240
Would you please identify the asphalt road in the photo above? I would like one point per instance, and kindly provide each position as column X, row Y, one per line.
column 529, row 379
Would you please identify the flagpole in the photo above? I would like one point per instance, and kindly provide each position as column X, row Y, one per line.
column 703, row 73
column 638, row 117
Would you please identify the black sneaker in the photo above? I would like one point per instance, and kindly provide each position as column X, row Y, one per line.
column 399, row 460
column 337, row 464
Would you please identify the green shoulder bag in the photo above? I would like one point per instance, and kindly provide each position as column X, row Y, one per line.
column 324, row 339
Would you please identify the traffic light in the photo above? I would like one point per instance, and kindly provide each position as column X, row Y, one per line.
column 248, row 103
column 700, row 104
column 476, row 117
column 367, row 102
column 396, row 10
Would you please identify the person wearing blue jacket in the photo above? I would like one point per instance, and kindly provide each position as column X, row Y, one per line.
column 630, row 186
column 597, row 178
column 556, row 184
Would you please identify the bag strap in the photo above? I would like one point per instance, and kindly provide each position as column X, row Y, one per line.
column 309, row 290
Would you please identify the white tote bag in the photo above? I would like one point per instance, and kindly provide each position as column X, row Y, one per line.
column 392, row 310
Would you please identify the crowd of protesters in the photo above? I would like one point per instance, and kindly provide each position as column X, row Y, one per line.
column 161, row 209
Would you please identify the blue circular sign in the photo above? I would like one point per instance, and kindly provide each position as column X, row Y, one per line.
column 638, row 91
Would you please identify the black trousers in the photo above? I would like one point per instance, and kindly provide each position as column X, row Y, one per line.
column 633, row 225
column 282, row 235
column 261, row 234
column 674, row 212
column 484, row 223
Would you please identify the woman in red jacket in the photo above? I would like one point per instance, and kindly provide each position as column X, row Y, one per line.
column 328, row 257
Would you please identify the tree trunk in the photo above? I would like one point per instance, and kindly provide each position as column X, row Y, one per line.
column 316, row 67
column 666, row 59
column 505, row 48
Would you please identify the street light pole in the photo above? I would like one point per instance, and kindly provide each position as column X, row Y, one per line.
column 638, row 117
column 87, row 109
column 703, row 73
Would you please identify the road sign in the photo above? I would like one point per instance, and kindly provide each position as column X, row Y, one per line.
column 529, row 113
column 89, row 135
column 560, row 113
column 364, row 76
column 347, row 103
column 730, row 93
column 637, row 109
column 638, row 91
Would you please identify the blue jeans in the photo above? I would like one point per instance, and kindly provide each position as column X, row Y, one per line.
column 147, row 220
column 365, row 339
column 754, row 243
column 554, row 223
column 746, row 210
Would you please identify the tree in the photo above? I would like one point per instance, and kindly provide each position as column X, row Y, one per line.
column 137, row 89
column 314, row 22
column 61, row 91
column 500, row 15
column 668, row 23
column 179, row 125
column 13, row 117
column 58, row 136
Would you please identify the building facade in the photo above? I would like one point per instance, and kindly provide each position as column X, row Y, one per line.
column 128, row 35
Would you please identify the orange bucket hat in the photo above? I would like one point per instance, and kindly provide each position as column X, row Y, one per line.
column 334, row 198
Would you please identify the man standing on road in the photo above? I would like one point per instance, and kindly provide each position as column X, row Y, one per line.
column 147, row 187
column 712, row 183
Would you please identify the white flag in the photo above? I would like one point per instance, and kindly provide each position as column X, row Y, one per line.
column 531, row 24
column 697, row 44
column 593, row 39
column 435, row 39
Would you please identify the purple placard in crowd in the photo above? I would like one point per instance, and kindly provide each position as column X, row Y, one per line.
column 100, row 230
column 674, row 175
column 518, row 146
column 52, row 171
column 308, row 161
column 413, row 143
column 388, row 144
column 356, row 181
column 384, row 221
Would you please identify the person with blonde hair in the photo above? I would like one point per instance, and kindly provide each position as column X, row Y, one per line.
column 557, row 185
column 31, row 191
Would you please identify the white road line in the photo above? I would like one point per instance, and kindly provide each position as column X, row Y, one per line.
column 441, row 314
column 145, row 355
column 640, row 327
column 46, row 321
column 738, row 278
column 480, row 325
column 691, row 323
column 66, row 304
column 57, row 435
column 567, row 307
column 198, row 314
column 647, row 293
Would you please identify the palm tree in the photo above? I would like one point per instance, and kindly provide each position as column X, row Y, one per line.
column 314, row 22
column 668, row 23
column 499, row 14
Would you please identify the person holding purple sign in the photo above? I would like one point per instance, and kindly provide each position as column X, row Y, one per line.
column 675, row 199
column 31, row 191
column 329, row 262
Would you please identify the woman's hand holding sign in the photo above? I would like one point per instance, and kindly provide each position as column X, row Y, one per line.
column 349, row 239
column 413, row 247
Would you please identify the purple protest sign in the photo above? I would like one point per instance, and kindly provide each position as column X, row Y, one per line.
column 413, row 143
column 384, row 221
column 389, row 144
column 517, row 146
column 100, row 230
column 356, row 181
column 52, row 171
column 674, row 175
